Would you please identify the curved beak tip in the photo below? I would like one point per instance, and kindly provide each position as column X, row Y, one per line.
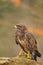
column 15, row 26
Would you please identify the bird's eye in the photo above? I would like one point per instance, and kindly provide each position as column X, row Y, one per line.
column 18, row 26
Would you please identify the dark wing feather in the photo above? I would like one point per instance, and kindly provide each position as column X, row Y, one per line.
column 32, row 44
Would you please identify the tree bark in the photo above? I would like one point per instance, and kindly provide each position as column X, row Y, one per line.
column 19, row 61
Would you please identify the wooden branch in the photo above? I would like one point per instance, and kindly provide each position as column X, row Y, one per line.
column 19, row 61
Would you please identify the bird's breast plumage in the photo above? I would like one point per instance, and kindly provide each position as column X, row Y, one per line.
column 26, row 41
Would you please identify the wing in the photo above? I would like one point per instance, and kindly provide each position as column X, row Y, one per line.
column 32, row 44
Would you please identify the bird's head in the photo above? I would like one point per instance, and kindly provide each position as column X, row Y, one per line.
column 20, row 27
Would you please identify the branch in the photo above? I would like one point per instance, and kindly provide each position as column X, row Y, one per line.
column 19, row 61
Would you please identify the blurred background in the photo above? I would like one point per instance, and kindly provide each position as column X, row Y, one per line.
column 12, row 12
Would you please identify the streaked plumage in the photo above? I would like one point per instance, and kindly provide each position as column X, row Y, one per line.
column 27, row 41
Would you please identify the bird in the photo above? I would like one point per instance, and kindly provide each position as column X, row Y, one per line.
column 27, row 42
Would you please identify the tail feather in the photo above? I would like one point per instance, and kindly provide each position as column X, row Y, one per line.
column 38, row 53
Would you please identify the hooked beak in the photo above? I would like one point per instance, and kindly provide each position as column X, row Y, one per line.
column 15, row 26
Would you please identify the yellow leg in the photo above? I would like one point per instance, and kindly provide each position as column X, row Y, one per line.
column 28, row 55
column 20, row 53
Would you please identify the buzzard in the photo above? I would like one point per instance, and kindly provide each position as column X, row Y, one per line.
column 27, row 42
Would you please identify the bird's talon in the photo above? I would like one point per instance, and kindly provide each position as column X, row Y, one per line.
column 20, row 53
column 28, row 55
